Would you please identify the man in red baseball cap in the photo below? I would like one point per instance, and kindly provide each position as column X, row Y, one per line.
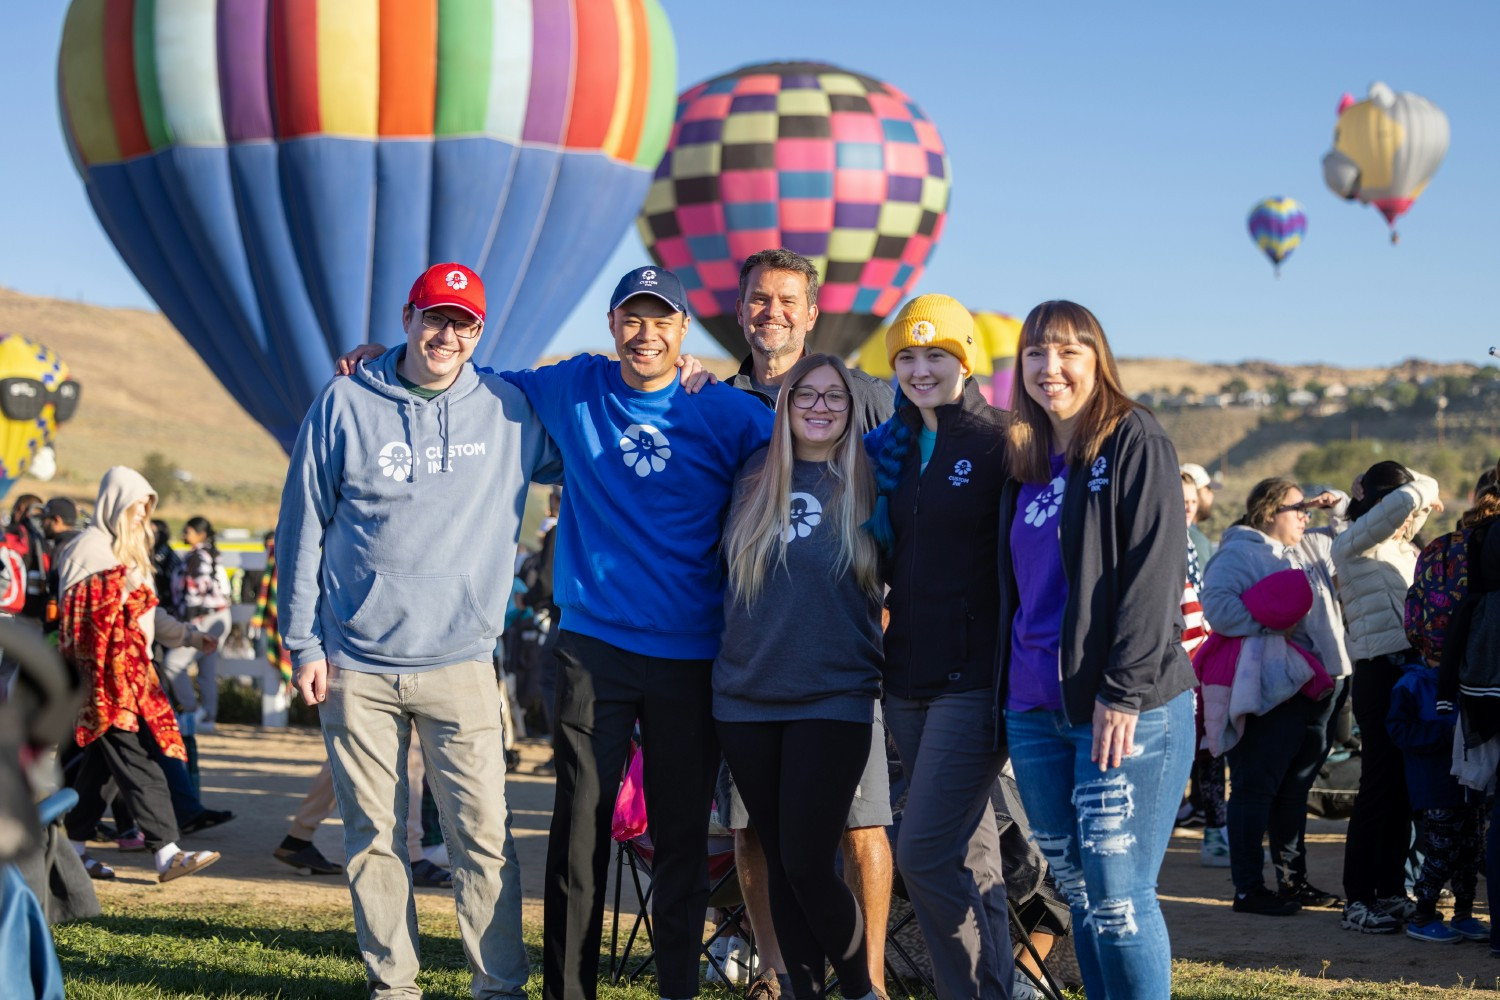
column 443, row 318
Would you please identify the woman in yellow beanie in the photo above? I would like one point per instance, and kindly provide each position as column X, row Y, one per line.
column 940, row 467
column 1097, row 690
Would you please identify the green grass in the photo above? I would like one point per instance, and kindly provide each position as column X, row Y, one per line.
column 165, row 952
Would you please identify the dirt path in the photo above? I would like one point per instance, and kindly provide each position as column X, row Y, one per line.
column 262, row 775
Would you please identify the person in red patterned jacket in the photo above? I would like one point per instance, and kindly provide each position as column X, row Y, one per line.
column 110, row 616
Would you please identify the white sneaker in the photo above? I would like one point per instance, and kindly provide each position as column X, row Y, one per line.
column 719, row 949
column 1215, row 850
column 739, row 964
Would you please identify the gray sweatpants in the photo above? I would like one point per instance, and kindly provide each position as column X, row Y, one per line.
column 948, row 851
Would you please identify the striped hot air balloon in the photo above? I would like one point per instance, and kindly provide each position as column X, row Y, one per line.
column 1277, row 225
column 276, row 172
column 834, row 165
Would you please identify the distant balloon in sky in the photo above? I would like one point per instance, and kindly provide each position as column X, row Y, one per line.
column 36, row 395
column 1277, row 226
column 1385, row 150
column 997, row 335
column 276, row 172
column 838, row 166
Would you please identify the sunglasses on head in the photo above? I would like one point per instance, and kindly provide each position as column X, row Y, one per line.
column 24, row 398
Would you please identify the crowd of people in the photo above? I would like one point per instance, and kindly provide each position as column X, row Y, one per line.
column 776, row 577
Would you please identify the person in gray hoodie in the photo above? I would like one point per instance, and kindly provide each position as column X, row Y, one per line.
column 397, row 540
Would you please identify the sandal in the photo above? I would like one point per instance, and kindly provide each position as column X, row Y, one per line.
column 98, row 870
column 185, row 863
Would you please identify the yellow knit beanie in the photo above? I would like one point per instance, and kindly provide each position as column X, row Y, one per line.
column 933, row 321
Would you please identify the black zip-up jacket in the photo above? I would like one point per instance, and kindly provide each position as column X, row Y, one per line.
column 1123, row 552
column 871, row 403
column 944, row 588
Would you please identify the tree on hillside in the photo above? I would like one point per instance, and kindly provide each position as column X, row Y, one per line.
column 1235, row 386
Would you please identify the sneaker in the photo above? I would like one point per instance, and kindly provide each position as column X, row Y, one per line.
column 1403, row 907
column 131, row 840
column 307, row 859
column 429, row 875
column 1215, row 850
column 739, row 964
column 1472, row 928
column 1308, row 894
column 204, row 820
column 1264, row 902
column 1434, row 930
column 186, row 863
column 719, row 949
column 1369, row 918
column 1189, row 817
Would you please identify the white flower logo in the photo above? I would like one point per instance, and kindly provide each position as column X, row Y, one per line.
column 457, row 280
column 806, row 514
column 395, row 460
column 1099, row 466
column 645, row 449
column 1046, row 503
column 648, row 275
column 923, row 332
column 963, row 467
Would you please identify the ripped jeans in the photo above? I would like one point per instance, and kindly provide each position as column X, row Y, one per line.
column 1104, row 834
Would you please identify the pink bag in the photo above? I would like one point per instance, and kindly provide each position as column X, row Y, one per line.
column 630, row 805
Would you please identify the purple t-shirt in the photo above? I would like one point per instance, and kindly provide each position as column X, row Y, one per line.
column 1042, row 592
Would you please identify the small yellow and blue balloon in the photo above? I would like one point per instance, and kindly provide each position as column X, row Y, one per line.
column 1385, row 150
column 997, row 333
column 36, row 395
column 1277, row 225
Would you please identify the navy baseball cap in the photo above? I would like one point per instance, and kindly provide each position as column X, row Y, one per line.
column 650, row 281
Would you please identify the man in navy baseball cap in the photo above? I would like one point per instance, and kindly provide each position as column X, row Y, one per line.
column 650, row 281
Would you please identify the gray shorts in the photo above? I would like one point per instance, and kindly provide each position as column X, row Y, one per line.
column 872, row 796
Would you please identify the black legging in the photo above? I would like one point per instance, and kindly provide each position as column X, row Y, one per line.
column 1380, row 828
column 805, row 771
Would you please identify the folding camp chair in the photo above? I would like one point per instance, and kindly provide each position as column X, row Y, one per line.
column 635, row 850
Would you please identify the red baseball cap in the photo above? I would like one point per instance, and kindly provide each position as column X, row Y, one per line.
column 449, row 285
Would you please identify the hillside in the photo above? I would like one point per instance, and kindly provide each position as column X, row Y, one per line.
column 145, row 391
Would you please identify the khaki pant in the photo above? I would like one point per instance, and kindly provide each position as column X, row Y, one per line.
column 319, row 802
column 368, row 721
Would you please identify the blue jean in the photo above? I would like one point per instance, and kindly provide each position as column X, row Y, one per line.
column 1105, row 833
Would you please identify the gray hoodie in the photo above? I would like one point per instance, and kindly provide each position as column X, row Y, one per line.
column 397, row 538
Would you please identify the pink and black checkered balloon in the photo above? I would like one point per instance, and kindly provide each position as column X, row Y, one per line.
column 835, row 165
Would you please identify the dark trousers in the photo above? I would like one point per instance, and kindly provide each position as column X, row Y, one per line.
column 798, row 780
column 1274, row 765
column 126, row 757
column 1452, row 857
column 602, row 691
column 1380, row 828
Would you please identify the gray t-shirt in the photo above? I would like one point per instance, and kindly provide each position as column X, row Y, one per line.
column 811, row 646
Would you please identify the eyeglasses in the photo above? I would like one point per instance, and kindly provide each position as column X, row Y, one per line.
column 805, row 398
column 1290, row 507
column 468, row 329
column 23, row 399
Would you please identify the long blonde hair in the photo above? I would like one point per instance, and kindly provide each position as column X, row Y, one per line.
column 757, row 535
column 132, row 545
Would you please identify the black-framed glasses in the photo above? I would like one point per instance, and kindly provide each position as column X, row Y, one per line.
column 1300, row 508
column 23, row 399
column 806, row 397
column 468, row 329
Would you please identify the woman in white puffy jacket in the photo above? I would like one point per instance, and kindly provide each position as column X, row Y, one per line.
column 1375, row 561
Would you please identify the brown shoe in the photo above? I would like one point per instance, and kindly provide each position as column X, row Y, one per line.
column 765, row 987
column 184, row 863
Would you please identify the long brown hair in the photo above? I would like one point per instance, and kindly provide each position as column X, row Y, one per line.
column 757, row 536
column 1264, row 498
column 1029, row 441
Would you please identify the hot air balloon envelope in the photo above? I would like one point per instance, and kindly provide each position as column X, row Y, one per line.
column 277, row 172
column 36, row 395
column 837, row 166
column 1277, row 225
column 1386, row 149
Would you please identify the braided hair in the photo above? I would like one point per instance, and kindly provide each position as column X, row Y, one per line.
column 894, row 437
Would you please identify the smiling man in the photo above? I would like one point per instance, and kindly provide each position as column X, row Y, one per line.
column 396, row 544
column 650, row 469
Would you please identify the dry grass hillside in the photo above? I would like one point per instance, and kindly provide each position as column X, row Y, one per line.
column 145, row 391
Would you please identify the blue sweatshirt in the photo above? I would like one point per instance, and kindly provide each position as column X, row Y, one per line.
column 396, row 544
column 649, row 478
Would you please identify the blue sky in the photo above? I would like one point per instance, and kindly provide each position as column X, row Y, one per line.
column 1101, row 151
